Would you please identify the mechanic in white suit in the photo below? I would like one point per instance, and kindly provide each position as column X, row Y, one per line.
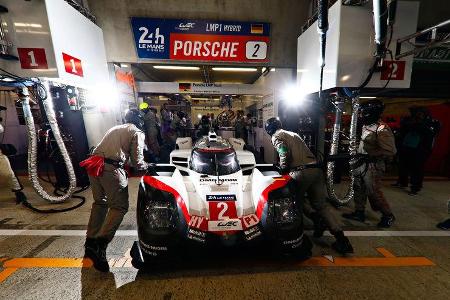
column 109, row 183
column 297, row 160
column 7, row 176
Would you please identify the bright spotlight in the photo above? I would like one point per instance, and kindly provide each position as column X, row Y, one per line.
column 103, row 97
column 292, row 95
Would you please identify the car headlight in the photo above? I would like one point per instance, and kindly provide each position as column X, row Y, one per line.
column 159, row 211
column 284, row 211
column 159, row 215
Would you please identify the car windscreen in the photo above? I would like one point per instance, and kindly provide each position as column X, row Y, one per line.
column 214, row 162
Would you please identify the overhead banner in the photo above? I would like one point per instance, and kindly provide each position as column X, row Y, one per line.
column 200, row 40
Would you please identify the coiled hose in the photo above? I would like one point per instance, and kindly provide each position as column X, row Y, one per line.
column 43, row 94
column 353, row 148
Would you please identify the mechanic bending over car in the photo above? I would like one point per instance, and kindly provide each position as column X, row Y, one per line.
column 109, row 182
column 297, row 160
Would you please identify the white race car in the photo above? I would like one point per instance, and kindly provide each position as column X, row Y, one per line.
column 214, row 193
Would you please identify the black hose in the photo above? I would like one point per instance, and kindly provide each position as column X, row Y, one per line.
column 50, row 211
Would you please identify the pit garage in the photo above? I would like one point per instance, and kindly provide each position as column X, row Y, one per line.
column 164, row 149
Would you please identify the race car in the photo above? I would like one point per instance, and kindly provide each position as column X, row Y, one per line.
column 213, row 194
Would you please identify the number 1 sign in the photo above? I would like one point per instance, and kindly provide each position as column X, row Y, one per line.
column 72, row 65
column 32, row 58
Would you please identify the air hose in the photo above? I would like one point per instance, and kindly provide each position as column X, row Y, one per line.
column 353, row 148
column 42, row 95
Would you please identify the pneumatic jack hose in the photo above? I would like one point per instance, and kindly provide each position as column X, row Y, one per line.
column 43, row 95
column 353, row 148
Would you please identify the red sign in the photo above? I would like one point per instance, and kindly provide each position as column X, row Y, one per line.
column 218, row 47
column 72, row 65
column 32, row 58
column 222, row 210
column 393, row 70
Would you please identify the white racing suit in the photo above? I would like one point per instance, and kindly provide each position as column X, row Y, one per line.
column 110, row 190
column 378, row 142
column 7, row 176
column 294, row 154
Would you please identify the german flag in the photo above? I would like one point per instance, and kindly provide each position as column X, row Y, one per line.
column 184, row 87
column 257, row 29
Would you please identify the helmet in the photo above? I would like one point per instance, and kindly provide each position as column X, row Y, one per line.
column 134, row 116
column 144, row 107
column 371, row 111
column 272, row 125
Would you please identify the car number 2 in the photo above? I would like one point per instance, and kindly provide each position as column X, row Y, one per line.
column 222, row 210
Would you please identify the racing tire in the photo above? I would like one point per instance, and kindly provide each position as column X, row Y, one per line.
column 136, row 257
column 304, row 251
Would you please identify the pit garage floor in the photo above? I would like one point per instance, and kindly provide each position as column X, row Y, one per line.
column 40, row 258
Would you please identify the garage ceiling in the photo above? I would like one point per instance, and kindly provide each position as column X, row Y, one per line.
column 148, row 72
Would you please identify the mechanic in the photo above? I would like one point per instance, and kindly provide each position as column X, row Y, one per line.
column 415, row 142
column 377, row 146
column 7, row 174
column 109, row 182
column 297, row 159
column 152, row 126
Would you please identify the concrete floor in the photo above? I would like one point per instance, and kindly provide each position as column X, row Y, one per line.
column 419, row 270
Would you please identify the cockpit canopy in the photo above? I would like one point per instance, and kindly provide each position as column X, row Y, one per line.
column 214, row 157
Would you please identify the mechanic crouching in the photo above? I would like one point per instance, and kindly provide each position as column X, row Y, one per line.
column 377, row 146
column 109, row 182
column 296, row 159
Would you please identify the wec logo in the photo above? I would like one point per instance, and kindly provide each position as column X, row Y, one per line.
column 228, row 224
column 152, row 41
column 225, row 225
column 186, row 26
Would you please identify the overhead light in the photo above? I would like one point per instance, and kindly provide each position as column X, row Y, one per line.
column 176, row 68
column 272, row 70
column 124, row 65
column 367, row 97
column 204, row 99
column 33, row 25
column 177, row 94
column 234, row 69
column 345, row 77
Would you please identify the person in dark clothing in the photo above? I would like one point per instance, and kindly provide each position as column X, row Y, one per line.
column 415, row 143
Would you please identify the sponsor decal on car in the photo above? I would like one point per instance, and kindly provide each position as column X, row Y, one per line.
column 295, row 243
column 198, row 222
column 220, row 197
column 196, row 235
column 225, row 225
column 252, row 233
column 214, row 179
column 249, row 220
column 152, row 250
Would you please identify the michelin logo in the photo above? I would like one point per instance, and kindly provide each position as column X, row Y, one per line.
column 151, row 41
